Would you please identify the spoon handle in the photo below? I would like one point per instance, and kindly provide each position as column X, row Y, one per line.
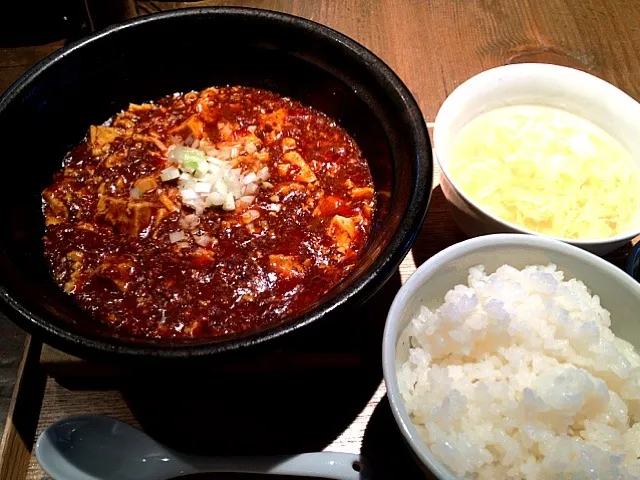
column 338, row 466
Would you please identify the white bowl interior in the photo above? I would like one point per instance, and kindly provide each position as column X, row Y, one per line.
column 540, row 84
column 619, row 293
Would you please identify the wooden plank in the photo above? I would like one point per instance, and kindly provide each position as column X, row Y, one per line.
column 433, row 46
column 61, row 402
column 101, row 14
column 15, row 61
column 11, row 353
column 17, row 438
column 26, row 56
column 437, row 44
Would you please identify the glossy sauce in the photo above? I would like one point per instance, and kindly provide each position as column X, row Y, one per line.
column 111, row 251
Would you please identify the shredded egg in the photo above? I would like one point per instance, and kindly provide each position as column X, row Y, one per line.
column 547, row 170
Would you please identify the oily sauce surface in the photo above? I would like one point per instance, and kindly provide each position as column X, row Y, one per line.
column 109, row 216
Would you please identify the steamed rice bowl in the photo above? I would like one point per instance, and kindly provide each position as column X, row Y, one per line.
column 517, row 375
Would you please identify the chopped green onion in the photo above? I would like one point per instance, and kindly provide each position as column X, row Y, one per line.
column 209, row 181
column 170, row 173
column 192, row 155
column 189, row 195
column 202, row 187
column 203, row 167
column 190, row 166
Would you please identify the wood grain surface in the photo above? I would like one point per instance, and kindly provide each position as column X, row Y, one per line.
column 17, row 439
column 14, row 449
column 433, row 45
column 15, row 61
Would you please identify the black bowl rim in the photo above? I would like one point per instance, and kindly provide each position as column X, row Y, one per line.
column 633, row 261
column 361, row 289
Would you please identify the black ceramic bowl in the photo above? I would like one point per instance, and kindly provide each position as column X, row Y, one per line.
column 49, row 110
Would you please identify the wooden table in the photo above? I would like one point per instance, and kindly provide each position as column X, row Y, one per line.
column 433, row 45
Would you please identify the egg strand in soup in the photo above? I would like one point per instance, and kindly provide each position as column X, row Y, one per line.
column 547, row 170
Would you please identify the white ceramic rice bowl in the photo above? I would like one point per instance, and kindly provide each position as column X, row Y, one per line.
column 619, row 294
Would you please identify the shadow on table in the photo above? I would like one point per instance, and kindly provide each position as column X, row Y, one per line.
column 383, row 444
column 267, row 412
column 259, row 414
column 34, row 23
column 439, row 230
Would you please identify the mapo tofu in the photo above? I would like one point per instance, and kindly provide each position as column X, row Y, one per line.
column 207, row 213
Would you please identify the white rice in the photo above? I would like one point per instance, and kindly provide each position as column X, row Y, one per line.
column 517, row 375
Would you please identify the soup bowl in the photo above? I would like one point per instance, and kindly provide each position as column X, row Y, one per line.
column 535, row 84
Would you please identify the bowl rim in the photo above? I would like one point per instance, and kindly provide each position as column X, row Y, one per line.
column 360, row 290
column 467, row 89
column 632, row 266
column 418, row 278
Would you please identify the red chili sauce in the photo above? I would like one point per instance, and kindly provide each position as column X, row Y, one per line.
column 113, row 223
